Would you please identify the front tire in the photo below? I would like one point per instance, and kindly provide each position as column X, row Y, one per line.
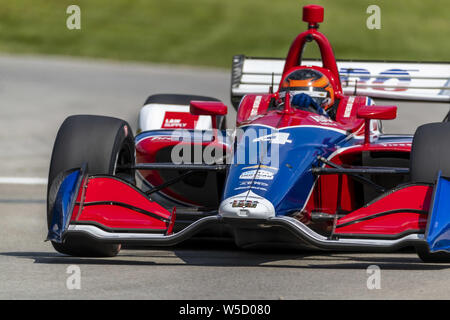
column 105, row 144
column 436, row 257
column 430, row 153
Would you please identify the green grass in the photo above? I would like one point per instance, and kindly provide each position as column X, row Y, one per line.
column 210, row 32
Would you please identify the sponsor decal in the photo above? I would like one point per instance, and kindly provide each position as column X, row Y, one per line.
column 324, row 120
column 256, row 185
column 242, row 188
column 387, row 80
column 260, row 166
column 174, row 123
column 257, row 175
column 162, row 138
column 398, row 78
column 349, row 107
column 260, row 183
column 244, row 204
column 255, row 107
column 277, row 137
column 258, row 188
column 247, row 183
column 396, row 144
column 179, row 120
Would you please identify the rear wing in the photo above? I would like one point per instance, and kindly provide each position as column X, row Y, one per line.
column 420, row 81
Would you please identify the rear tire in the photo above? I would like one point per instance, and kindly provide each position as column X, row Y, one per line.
column 430, row 153
column 105, row 144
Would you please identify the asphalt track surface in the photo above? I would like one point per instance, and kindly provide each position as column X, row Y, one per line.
column 36, row 94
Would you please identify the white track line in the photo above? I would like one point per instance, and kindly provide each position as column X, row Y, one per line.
column 23, row 180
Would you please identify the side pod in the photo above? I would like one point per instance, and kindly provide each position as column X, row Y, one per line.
column 438, row 227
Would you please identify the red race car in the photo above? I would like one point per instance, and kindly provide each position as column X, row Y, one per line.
column 307, row 165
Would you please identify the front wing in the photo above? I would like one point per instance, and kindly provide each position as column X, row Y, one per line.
column 111, row 210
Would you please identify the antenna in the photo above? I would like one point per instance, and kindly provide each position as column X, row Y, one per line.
column 271, row 86
column 287, row 99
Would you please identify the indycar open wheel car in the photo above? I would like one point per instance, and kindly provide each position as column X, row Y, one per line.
column 307, row 165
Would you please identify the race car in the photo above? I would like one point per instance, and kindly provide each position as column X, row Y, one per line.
column 307, row 165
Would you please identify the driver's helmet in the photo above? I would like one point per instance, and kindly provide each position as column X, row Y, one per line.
column 311, row 82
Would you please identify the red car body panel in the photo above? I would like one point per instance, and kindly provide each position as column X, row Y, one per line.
column 116, row 205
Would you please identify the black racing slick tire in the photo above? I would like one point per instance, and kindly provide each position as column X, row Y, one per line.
column 436, row 257
column 430, row 153
column 105, row 144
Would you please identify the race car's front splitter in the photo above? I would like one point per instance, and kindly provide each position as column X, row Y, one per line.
column 305, row 235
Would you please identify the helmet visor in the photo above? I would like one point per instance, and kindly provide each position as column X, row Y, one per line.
column 319, row 97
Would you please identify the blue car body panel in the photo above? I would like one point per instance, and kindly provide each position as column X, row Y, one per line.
column 63, row 207
column 286, row 180
column 438, row 229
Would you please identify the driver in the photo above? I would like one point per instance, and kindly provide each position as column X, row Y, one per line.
column 310, row 90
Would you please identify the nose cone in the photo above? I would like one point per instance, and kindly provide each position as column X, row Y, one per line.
column 247, row 205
